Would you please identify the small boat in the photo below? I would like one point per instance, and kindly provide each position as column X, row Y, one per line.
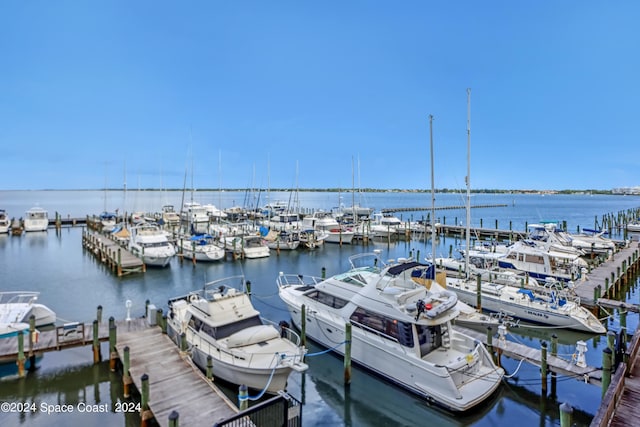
column 220, row 321
column 401, row 330
column 36, row 219
column 248, row 246
column 281, row 240
column 634, row 226
column 108, row 221
column 5, row 222
column 201, row 247
column 18, row 306
column 151, row 244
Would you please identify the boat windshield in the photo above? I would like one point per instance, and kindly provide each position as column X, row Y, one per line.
column 223, row 331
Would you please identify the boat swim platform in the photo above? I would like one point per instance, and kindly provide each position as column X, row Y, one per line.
column 555, row 364
column 119, row 260
column 175, row 383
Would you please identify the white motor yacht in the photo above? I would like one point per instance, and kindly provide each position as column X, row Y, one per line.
column 36, row 219
column 220, row 321
column 151, row 244
column 400, row 330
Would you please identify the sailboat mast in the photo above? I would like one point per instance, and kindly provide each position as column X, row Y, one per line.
column 433, row 196
column 468, row 181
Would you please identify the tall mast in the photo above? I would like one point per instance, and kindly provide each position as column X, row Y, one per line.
column 468, row 181
column 433, row 196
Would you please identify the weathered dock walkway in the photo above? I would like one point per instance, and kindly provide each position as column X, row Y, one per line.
column 608, row 278
column 620, row 406
column 109, row 252
column 175, row 383
column 66, row 336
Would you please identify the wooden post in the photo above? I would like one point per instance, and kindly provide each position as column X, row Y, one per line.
column 243, row 397
column 126, row 376
column 543, row 367
column 489, row 340
column 99, row 314
column 164, row 324
column 303, row 326
column 113, row 352
column 183, row 341
column 347, row 354
column 554, row 353
column 248, row 285
column 146, row 414
column 566, row 412
column 32, row 333
column 606, row 369
column 21, row 356
column 324, row 272
column 173, row 419
column 209, row 367
column 97, row 356
column 479, row 292
column 159, row 317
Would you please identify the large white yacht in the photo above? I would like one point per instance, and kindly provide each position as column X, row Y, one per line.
column 220, row 321
column 151, row 244
column 400, row 329
column 36, row 219
column 201, row 247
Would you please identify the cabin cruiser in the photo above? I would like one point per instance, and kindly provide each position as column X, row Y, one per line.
column 538, row 262
column 201, row 247
column 552, row 304
column 5, row 222
column 151, row 244
column 36, row 219
column 327, row 225
column 400, row 329
column 16, row 307
column 220, row 321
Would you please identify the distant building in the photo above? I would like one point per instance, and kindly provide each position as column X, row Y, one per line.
column 626, row 190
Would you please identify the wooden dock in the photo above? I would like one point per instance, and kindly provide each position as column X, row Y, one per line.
column 66, row 336
column 175, row 383
column 609, row 277
column 533, row 356
column 620, row 406
column 114, row 256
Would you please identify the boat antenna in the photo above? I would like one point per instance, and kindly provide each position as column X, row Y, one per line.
column 433, row 196
column 468, row 182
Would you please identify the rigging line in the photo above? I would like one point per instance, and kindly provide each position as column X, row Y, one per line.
column 516, row 371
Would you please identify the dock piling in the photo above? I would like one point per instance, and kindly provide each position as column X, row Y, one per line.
column 347, row 354
column 21, row 357
column 126, row 376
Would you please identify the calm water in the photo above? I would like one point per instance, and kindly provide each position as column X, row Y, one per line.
column 73, row 283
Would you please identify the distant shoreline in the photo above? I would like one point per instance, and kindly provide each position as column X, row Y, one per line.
column 348, row 190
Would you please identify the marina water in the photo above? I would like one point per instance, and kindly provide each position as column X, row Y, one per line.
column 73, row 283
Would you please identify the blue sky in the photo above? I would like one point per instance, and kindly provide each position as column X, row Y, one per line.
column 279, row 94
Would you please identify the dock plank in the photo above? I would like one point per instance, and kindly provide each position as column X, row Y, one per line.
column 175, row 383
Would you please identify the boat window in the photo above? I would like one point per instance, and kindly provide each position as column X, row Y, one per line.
column 195, row 323
column 536, row 259
column 327, row 299
column 429, row 338
column 390, row 328
column 231, row 328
